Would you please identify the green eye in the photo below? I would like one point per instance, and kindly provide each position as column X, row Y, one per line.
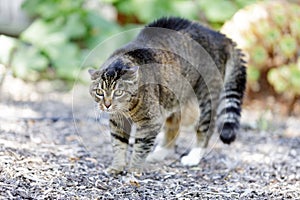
column 99, row 92
column 118, row 93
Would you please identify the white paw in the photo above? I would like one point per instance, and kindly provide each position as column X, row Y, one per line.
column 159, row 154
column 193, row 158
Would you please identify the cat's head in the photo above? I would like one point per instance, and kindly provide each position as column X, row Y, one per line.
column 113, row 87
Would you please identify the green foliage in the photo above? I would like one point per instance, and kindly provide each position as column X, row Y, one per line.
column 148, row 10
column 28, row 62
column 272, row 46
column 214, row 12
column 253, row 73
column 286, row 79
column 64, row 31
column 288, row 46
column 100, row 29
column 50, row 9
column 259, row 56
column 58, row 38
column 218, row 12
column 10, row 45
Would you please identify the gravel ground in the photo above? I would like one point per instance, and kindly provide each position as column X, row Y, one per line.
column 53, row 147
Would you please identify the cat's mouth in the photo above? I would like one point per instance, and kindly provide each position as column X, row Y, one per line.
column 108, row 110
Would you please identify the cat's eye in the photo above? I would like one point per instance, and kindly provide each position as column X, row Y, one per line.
column 118, row 93
column 99, row 92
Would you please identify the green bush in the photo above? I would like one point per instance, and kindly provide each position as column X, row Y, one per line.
column 286, row 79
column 271, row 42
column 214, row 13
column 55, row 43
column 64, row 31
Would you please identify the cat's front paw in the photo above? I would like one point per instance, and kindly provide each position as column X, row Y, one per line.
column 135, row 171
column 193, row 158
column 114, row 171
column 159, row 154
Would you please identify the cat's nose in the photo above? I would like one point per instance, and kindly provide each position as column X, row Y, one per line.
column 107, row 104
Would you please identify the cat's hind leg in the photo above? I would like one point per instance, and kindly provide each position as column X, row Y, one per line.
column 204, row 130
column 166, row 147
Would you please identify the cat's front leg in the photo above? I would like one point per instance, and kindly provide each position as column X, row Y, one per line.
column 144, row 141
column 120, row 128
column 166, row 147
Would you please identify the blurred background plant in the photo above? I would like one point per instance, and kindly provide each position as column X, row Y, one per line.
column 59, row 37
column 269, row 34
column 63, row 32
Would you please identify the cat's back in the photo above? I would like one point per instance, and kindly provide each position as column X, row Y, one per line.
column 175, row 33
column 205, row 36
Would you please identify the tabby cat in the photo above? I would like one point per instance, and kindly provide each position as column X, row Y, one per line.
column 172, row 63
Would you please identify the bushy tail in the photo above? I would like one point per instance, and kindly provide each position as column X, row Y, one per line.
column 229, row 109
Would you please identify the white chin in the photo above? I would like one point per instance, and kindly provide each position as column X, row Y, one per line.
column 109, row 110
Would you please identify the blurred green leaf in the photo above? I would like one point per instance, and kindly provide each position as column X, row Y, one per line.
column 41, row 33
column 46, row 9
column 7, row 44
column 259, row 55
column 59, row 50
column 279, row 15
column 263, row 28
column 243, row 3
column 285, row 79
column 271, row 36
column 218, row 10
column 68, row 69
column 277, row 81
column 50, row 9
column 288, row 45
column 65, row 58
column 295, row 27
column 253, row 73
column 75, row 26
column 188, row 9
column 295, row 77
column 157, row 8
column 100, row 29
column 28, row 59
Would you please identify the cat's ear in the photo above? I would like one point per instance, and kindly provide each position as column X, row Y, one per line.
column 131, row 73
column 94, row 74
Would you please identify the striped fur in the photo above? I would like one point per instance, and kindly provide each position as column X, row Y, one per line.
column 151, row 80
column 229, row 109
